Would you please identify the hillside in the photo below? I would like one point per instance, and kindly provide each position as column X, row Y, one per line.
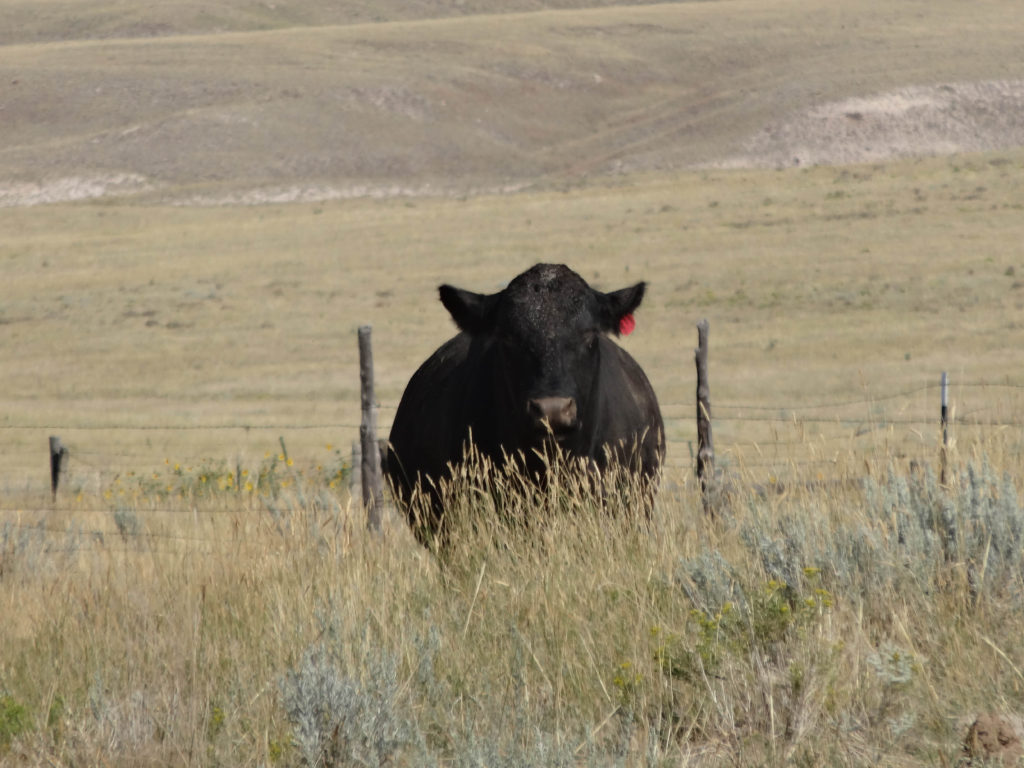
column 29, row 21
column 263, row 102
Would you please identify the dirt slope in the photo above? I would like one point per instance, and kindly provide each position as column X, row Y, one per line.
column 920, row 120
column 33, row 21
column 495, row 102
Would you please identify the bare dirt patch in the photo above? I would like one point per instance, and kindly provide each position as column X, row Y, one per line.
column 319, row 193
column 994, row 740
column 70, row 188
column 909, row 122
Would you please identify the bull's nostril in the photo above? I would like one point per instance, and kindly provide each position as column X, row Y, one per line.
column 557, row 413
column 569, row 412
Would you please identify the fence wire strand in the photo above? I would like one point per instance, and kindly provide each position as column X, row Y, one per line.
column 790, row 410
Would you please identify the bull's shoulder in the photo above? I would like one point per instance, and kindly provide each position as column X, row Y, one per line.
column 627, row 408
column 620, row 371
column 444, row 362
column 433, row 392
column 423, row 418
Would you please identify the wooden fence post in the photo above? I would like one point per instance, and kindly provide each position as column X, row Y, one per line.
column 355, row 476
column 705, row 444
column 57, row 454
column 373, row 496
column 944, row 420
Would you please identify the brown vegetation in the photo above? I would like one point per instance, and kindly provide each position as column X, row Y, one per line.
column 199, row 596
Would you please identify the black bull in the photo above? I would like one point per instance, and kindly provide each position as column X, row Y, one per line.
column 532, row 366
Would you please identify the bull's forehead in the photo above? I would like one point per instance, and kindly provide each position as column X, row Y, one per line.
column 547, row 300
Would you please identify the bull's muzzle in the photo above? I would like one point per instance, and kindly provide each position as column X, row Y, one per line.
column 557, row 414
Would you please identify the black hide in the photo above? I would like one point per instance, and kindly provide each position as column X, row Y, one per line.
column 531, row 367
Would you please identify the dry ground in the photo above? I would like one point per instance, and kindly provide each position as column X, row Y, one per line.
column 823, row 286
column 610, row 137
column 308, row 102
column 633, row 142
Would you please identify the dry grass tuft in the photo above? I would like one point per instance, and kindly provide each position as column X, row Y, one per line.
column 830, row 624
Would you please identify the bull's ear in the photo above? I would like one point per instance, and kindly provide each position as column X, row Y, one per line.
column 614, row 306
column 472, row 312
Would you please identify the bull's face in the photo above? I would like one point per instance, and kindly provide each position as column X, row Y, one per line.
column 543, row 332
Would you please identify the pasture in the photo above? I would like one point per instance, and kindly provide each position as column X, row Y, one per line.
column 197, row 596
column 158, row 609
column 823, row 286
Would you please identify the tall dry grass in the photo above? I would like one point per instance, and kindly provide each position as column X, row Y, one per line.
column 848, row 620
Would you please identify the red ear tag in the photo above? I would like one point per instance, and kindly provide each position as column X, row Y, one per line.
column 626, row 325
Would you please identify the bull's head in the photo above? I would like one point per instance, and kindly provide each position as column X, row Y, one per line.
column 543, row 333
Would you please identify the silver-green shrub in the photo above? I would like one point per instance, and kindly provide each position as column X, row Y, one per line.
column 341, row 717
column 976, row 523
column 910, row 534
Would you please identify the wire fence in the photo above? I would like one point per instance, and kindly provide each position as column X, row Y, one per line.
column 784, row 413
column 739, row 425
column 766, row 435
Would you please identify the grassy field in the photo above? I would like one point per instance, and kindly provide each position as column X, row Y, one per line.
column 822, row 286
column 858, row 624
column 203, row 591
column 195, row 598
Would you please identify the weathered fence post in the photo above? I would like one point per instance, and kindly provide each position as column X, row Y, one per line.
column 373, row 496
column 705, row 444
column 944, row 419
column 355, row 476
column 57, row 454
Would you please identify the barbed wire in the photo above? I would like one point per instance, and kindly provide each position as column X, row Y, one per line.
column 110, row 462
column 785, row 417
column 99, row 537
column 239, row 502
column 717, row 406
column 176, row 427
column 869, row 399
column 84, row 532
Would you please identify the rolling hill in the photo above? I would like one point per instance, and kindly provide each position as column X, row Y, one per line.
column 306, row 101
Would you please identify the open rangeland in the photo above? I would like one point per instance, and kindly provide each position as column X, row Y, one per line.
column 203, row 591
